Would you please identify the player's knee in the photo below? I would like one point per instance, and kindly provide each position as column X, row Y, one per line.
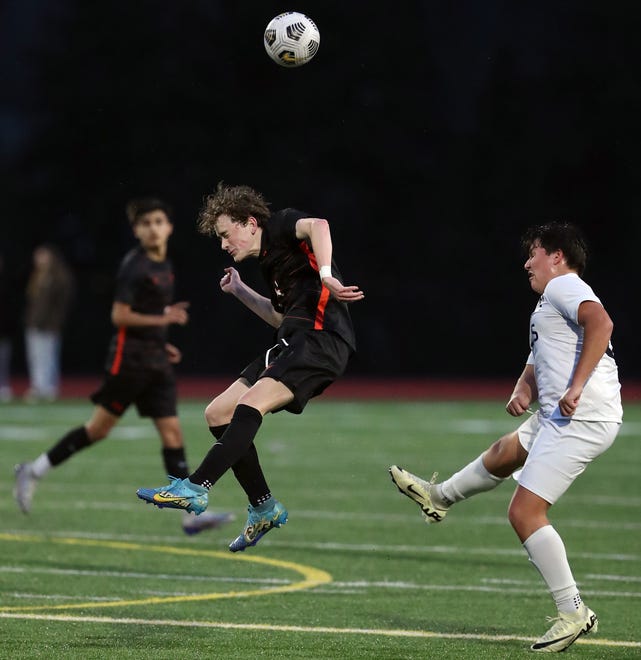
column 522, row 515
column 495, row 459
column 504, row 456
column 492, row 453
column 515, row 514
column 96, row 433
column 172, row 441
column 214, row 414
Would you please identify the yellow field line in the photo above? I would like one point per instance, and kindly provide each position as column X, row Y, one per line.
column 424, row 634
column 312, row 577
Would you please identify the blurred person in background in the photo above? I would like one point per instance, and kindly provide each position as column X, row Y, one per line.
column 139, row 367
column 7, row 326
column 48, row 296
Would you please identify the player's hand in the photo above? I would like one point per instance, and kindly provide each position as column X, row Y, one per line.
column 518, row 404
column 173, row 353
column 341, row 292
column 177, row 313
column 230, row 281
column 570, row 400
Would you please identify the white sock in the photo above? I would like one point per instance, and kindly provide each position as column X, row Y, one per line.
column 546, row 551
column 40, row 466
column 472, row 479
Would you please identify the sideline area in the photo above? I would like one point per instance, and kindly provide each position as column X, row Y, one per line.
column 402, row 389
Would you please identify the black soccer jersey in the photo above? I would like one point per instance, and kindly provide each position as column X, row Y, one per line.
column 291, row 271
column 148, row 287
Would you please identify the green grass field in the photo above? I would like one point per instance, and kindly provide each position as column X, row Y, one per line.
column 93, row 572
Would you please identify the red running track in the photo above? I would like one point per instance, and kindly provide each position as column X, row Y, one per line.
column 408, row 389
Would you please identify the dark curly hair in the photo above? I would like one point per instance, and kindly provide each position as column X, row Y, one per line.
column 562, row 236
column 136, row 208
column 238, row 202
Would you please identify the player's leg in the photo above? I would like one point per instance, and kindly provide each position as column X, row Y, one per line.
column 306, row 364
column 173, row 449
column 181, row 493
column 264, row 396
column 220, row 410
column 264, row 511
column 27, row 474
column 247, row 469
column 546, row 551
column 285, row 378
column 484, row 473
column 191, row 493
column 561, row 452
column 299, row 368
column 175, row 463
column 157, row 399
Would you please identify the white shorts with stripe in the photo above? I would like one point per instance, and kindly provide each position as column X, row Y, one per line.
column 559, row 450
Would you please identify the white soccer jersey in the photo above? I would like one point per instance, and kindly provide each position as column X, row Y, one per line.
column 556, row 339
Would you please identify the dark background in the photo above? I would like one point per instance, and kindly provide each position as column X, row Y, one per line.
column 429, row 133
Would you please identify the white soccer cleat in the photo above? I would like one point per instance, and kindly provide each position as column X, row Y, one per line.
column 25, row 486
column 566, row 629
column 418, row 489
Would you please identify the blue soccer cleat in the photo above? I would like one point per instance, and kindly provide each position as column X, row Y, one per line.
column 180, row 494
column 258, row 524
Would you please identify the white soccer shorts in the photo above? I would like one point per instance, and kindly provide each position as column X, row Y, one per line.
column 559, row 451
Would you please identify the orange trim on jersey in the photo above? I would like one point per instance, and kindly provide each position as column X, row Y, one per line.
column 324, row 296
column 120, row 346
column 310, row 255
column 320, row 310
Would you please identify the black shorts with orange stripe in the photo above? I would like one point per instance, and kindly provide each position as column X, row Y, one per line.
column 152, row 391
column 306, row 362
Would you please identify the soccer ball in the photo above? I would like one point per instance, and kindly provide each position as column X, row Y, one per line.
column 291, row 39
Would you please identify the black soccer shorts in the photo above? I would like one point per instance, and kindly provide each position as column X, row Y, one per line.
column 306, row 362
column 153, row 392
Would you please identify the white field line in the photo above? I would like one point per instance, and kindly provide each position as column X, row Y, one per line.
column 130, row 575
column 523, row 587
column 614, row 578
column 131, row 504
column 445, row 550
column 315, row 630
column 389, row 518
column 347, row 547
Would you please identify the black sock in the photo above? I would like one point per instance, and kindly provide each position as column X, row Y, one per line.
column 68, row 445
column 217, row 431
column 232, row 445
column 250, row 476
column 247, row 471
column 175, row 462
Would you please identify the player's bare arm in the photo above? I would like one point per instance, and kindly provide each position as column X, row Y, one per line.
column 317, row 231
column 524, row 394
column 123, row 316
column 260, row 305
column 597, row 330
